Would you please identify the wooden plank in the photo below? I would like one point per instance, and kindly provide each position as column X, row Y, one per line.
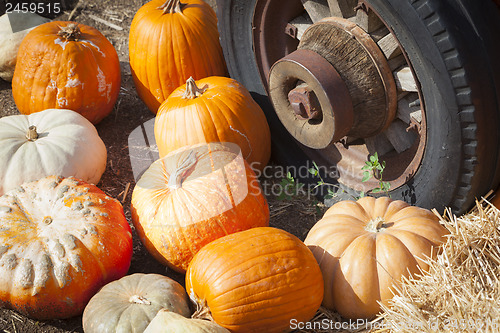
column 389, row 46
column 342, row 8
column 404, row 80
column 379, row 143
column 406, row 112
column 369, row 21
column 397, row 135
column 317, row 9
column 301, row 22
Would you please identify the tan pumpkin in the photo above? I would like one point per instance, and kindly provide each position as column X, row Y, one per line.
column 169, row 41
column 193, row 196
column 364, row 247
column 66, row 65
column 257, row 280
column 167, row 321
column 130, row 303
column 214, row 109
column 61, row 240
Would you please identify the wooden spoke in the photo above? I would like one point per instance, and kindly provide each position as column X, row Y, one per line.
column 317, row 9
column 408, row 109
column 379, row 143
column 399, row 138
column 301, row 23
column 389, row 46
column 397, row 62
column 342, row 8
column 405, row 80
column 369, row 21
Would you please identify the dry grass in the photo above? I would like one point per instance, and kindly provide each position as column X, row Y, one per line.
column 461, row 291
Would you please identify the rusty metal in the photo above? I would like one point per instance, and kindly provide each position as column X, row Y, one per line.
column 304, row 103
column 304, row 83
column 291, row 30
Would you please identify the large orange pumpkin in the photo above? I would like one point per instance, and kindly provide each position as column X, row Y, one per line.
column 61, row 239
column 65, row 65
column 364, row 247
column 257, row 280
column 194, row 196
column 214, row 109
column 169, row 41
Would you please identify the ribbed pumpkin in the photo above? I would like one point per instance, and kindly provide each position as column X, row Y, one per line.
column 214, row 109
column 256, row 280
column 194, row 196
column 364, row 247
column 66, row 65
column 61, row 240
column 130, row 303
column 169, row 41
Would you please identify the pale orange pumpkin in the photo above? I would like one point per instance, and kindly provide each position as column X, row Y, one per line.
column 194, row 196
column 364, row 247
column 169, row 41
column 66, row 65
column 214, row 109
column 61, row 240
column 256, row 280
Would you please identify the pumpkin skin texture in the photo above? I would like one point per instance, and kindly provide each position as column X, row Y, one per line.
column 168, row 43
column 255, row 280
column 10, row 40
column 65, row 65
column 62, row 143
column 192, row 197
column 214, row 109
column 130, row 303
column 364, row 247
column 167, row 321
column 61, row 240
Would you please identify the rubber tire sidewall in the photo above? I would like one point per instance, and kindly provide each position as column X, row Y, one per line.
column 452, row 54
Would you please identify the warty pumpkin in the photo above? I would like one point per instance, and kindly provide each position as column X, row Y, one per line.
column 214, row 109
column 364, row 247
column 256, row 280
column 169, row 41
column 130, row 303
column 66, row 65
column 167, row 321
column 61, row 239
column 46, row 143
column 193, row 196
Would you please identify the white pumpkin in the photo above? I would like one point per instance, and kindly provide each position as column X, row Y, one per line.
column 61, row 143
column 166, row 321
column 21, row 23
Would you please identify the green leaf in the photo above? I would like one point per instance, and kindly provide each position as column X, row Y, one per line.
column 362, row 194
column 377, row 190
column 313, row 171
column 366, row 176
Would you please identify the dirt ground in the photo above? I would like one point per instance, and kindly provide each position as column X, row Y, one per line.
column 295, row 216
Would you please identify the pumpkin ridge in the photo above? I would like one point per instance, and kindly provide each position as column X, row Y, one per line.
column 229, row 306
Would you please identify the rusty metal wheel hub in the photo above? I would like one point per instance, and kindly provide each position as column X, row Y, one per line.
column 336, row 84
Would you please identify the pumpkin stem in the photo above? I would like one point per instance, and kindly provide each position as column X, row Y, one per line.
column 375, row 224
column 178, row 176
column 32, row 134
column 47, row 220
column 172, row 6
column 136, row 299
column 70, row 32
column 202, row 312
column 192, row 90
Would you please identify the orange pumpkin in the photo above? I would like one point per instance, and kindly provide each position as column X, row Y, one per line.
column 364, row 247
column 65, row 65
column 256, row 280
column 61, row 240
column 192, row 197
column 214, row 109
column 170, row 41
